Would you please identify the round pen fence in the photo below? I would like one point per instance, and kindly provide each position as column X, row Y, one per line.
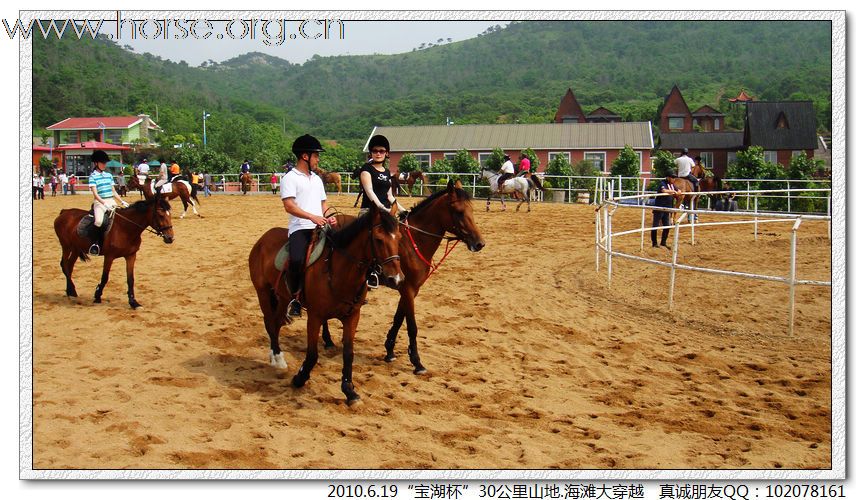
column 605, row 236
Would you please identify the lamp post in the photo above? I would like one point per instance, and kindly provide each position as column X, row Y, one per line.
column 204, row 115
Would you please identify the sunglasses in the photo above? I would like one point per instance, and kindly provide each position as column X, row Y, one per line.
column 378, row 151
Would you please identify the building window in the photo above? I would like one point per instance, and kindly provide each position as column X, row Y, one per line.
column 482, row 159
column 424, row 159
column 640, row 163
column 70, row 137
column 598, row 159
column 770, row 156
column 695, row 124
column 717, row 124
column 731, row 158
column 707, row 159
column 676, row 123
column 113, row 136
column 552, row 154
column 450, row 156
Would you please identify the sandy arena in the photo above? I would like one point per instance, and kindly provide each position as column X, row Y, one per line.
column 533, row 363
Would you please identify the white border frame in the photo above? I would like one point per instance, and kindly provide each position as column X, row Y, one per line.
column 839, row 404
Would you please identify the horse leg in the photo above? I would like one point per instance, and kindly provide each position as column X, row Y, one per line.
column 504, row 207
column 390, row 342
column 67, row 264
column 130, row 281
column 313, row 326
column 194, row 209
column 349, row 327
column 106, row 270
column 270, row 306
column 407, row 304
column 488, row 202
column 185, row 206
column 325, row 336
column 528, row 200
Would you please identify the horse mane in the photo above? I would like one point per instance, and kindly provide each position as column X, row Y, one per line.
column 141, row 206
column 343, row 237
column 461, row 194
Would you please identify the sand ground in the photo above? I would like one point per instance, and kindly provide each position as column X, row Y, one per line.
column 533, row 362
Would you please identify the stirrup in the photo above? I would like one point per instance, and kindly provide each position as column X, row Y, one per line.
column 293, row 308
column 94, row 249
column 372, row 281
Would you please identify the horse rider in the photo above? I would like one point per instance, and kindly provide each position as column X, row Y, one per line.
column 525, row 169
column 244, row 169
column 101, row 184
column 163, row 176
column 506, row 171
column 173, row 171
column 303, row 197
column 685, row 164
column 375, row 183
column 143, row 169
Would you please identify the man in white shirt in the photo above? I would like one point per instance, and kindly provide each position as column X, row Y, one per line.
column 303, row 197
column 506, row 171
column 143, row 170
column 64, row 182
column 684, row 164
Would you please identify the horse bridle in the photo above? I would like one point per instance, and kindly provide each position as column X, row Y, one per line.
column 157, row 230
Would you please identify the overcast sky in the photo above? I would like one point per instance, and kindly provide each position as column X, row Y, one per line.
column 359, row 37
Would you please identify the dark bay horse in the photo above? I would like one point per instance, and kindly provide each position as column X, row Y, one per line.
column 179, row 188
column 334, row 286
column 246, row 182
column 447, row 211
column 122, row 240
column 330, row 178
column 409, row 179
column 708, row 183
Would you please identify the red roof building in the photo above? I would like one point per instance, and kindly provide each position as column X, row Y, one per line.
column 569, row 110
column 742, row 97
column 138, row 129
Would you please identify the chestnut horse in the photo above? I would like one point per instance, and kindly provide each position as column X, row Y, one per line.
column 122, row 240
column 246, row 182
column 334, row 286
column 409, row 179
column 423, row 228
column 179, row 188
column 330, row 178
column 708, row 183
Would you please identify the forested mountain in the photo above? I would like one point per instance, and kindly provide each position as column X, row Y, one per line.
column 514, row 73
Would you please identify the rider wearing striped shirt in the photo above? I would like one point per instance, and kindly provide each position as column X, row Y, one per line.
column 101, row 184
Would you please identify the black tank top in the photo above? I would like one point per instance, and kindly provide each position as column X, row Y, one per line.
column 380, row 186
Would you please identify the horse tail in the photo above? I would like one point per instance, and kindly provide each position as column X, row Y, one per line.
column 538, row 182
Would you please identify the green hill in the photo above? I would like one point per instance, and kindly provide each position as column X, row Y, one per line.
column 515, row 73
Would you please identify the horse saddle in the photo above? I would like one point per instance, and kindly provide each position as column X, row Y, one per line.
column 313, row 253
column 166, row 188
column 403, row 176
column 86, row 229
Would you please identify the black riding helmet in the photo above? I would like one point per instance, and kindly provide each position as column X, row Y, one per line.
column 380, row 141
column 99, row 156
column 306, row 144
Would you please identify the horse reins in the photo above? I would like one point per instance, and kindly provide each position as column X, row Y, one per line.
column 448, row 247
column 158, row 231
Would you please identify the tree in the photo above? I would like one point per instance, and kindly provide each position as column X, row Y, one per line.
column 627, row 164
column 559, row 166
column 751, row 164
column 495, row 160
column 664, row 162
column 408, row 163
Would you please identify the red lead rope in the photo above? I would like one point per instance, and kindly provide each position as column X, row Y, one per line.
column 432, row 267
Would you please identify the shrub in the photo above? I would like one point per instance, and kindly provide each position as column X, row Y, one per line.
column 627, row 164
column 408, row 163
column 559, row 166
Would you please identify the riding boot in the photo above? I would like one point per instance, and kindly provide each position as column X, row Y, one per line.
column 97, row 235
column 293, row 280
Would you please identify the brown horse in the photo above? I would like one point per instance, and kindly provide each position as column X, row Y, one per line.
column 423, row 228
column 686, row 194
column 334, row 286
column 122, row 240
column 246, row 182
column 179, row 188
column 409, row 179
column 330, row 178
column 708, row 183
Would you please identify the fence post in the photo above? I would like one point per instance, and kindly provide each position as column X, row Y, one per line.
column 569, row 190
column 598, row 240
column 793, row 276
column 756, row 204
column 788, row 198
column 673, row 262
column 620, row 186
column 693, row 223
column 609, row 247
column 748, row 199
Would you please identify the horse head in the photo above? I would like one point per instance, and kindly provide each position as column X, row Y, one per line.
column 457, row 216
column 160, row 219
column 384, row 239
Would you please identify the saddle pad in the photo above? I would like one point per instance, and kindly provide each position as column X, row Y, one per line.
column 87, row 221
column 281, row 259
column 317, row 245
column 165, row 188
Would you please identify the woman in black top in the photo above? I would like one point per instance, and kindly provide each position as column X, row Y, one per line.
column 375, row 177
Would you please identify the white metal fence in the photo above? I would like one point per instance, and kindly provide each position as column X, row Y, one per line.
column 604, row 238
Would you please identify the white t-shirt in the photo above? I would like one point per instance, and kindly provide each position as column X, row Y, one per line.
column 507, row 167
column 143, row 169
column 308, row 193
column 684, row 164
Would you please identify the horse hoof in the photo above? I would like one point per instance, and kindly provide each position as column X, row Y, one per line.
column 390, row 358
column 297, row 381
column 97, row 300
column 420, row 370
column 278, row 361
column 73, row 293
column 133, row 304
column 352, row 400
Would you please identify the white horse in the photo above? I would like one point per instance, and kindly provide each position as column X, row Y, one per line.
column 520, row 185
